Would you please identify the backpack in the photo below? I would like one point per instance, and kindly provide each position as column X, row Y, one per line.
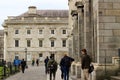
column 91, row 68
column 53, row 66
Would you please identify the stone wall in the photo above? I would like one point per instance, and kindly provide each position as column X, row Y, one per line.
column 109, row 29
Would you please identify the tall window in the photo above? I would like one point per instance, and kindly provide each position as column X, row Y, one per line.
column 40, row 43
column 16, row 43
column 40, row 31
column 63, row 43
column 28, row 31
column 40, row 55
column 64, row 31
column 28, row 43
column 52, row 43
column 16, row 31
column 52, row 32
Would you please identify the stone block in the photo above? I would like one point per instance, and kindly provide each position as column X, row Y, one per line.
column 105, row 5
column 112, row 39
column 112, row 26
column 110, row 19
column 116, row 32
column 108, row 46
column 116, row 5
column 118, row 19
column 111, row 0
column 112, row 12
column 106, row 33
column 101, row 26
column 101, row 0
column 101, row 39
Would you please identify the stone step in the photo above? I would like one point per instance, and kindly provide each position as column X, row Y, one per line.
column 118, row 74
column 115, row 77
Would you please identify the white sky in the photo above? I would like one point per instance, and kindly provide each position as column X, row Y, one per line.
column 17, row 7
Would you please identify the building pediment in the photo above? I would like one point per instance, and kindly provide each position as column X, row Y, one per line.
column 52, row 38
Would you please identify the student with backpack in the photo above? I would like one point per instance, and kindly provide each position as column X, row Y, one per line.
column 65, row 65
column 52, row 65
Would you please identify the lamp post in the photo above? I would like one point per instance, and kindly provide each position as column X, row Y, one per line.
column 26, row 57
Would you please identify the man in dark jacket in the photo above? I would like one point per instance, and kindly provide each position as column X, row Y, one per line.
column 46, row 62
column 65, row 65
column 23, row 65
column 85, row 63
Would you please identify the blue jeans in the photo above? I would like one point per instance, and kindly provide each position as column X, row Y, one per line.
column 66, row 74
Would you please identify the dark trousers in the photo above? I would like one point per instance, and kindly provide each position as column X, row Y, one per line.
column 23, row 69
column 52, row 74
column 66, row 74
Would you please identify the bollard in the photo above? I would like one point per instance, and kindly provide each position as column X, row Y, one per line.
column 11, row 68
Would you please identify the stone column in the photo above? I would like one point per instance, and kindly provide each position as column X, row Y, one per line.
column 5, row 43
column 75, row 36
column 80, row 6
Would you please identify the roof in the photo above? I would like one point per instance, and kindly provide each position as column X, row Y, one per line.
column 47, row 13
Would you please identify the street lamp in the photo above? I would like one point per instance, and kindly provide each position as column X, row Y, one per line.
column 26, row 57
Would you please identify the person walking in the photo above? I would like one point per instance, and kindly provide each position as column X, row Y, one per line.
column 65, row 65
column 46, row 62
column 85, row 63
column 37, row 62
column 23, row 65
column 33, row 62
column 52, row 65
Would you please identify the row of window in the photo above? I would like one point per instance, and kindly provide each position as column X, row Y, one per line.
column 40, row 43
column 40, row 31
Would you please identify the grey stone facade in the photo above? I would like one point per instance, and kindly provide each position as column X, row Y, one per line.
column 98, row 24
column 36, row 30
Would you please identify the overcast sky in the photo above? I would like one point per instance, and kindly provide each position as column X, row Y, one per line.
column 17, row 7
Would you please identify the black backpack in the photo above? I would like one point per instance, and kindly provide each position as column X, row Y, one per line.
column 53, row 65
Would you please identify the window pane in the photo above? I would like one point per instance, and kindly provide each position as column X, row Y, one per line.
column 40, row 31
column 16, row 43
column 16, row 31
column 28, row 43
column 64, row 31
column 64, row 43
column 52, row 31
column 40, row 55
column 52, row 43
column 40, row 43
column 28, row 31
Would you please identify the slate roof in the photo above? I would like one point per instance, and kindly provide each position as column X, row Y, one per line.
column 47, row 13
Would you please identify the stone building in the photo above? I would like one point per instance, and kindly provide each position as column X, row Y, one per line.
column 97, row 22
column 36, row 34
column 95, row 26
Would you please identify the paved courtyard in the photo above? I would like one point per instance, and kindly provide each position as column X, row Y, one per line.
column 34, row 73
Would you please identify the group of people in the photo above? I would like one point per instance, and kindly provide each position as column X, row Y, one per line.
column 65, row 63
column 37, row 62
column 20, row 64
column 51, row 66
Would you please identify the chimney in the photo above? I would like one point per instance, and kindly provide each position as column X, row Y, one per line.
column 32, row 10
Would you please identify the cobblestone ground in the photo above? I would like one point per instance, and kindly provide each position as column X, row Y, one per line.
column 32, row 73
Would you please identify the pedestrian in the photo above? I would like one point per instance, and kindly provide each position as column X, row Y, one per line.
column 65, row 65
column 23, row 65
column 52, row 65
column 37, row 62
column 46, row 62
column 33, row 62
column 85, row 63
